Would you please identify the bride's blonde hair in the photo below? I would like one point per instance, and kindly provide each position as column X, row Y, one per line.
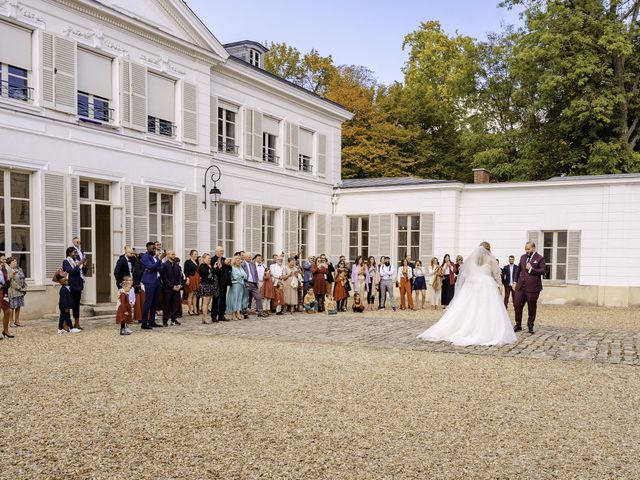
column 486, row 245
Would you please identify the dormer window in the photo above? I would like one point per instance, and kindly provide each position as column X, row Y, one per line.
column 254, row 57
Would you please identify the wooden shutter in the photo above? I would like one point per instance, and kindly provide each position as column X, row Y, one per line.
column 54, row 223
column 140, row 217
column 125, row 92
column 74, row 204
column 65, row 90
column 213, row 123
column 336, row 246
column 426, row 237
column 290, row 230
column 138, row 98
column 252, row 228
column 190, row 207
column 47, row 76
column 294, row 139
column 248, row 133
column 321, row 234
column 322, row 154
column 574, row 241
column 534, row 236
column 213, row 228
column 374, row 236
column 386, row 234
column 189, row 112
column 128, row 212
column 257, row 136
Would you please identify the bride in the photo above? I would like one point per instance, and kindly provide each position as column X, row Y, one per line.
column 476, row 316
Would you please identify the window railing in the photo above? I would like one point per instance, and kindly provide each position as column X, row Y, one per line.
column 269, row 156
column 304, row 163
column 231, row 148
column 99, row 112
column 161, row 127
column 17, row 92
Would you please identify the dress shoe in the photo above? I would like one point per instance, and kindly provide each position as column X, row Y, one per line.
column 531, row 330
column 517, row 328
column 175, row 322
column 225, row 319
column 260, row 315
column 146, row 327
column 245, row 316
column 156, row 325
column 215, row 320
column 5, row 334
column 165, row 324
column 17, row 325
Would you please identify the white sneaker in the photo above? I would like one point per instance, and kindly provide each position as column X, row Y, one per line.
column 62, row 332
column 74, row 330
column 128, row 330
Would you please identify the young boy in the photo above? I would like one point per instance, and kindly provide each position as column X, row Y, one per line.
column 330, row 305
column 65, row 305
column 310, row 302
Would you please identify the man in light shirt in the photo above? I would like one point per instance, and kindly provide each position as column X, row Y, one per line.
column 387, row 273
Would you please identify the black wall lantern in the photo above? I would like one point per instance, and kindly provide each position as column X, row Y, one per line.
column 212, row 195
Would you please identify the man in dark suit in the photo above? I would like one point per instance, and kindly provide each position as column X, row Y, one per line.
column 152, row 266
column 75, row 268
column 172, row 283
column 222, row 270
column 509, row 275
column 124, row 266
column 528, row 286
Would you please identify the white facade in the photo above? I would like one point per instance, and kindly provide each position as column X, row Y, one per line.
column 112, row 111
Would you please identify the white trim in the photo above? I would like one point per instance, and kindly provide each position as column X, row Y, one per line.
column 164, row 185
column 96, row 174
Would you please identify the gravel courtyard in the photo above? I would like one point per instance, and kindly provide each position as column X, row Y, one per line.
column 233, row 401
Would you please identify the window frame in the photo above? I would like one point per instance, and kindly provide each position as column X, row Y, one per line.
column 303, row 233
column 8, row 224
column 90, row 112
column 360, row 248
column 552, row 262
column 226, row 226
column 255, row 57
column 269, row 153
column 227, row 144
column 409, row 246
column 268, row 247
column 157, row 228
column 6, row 90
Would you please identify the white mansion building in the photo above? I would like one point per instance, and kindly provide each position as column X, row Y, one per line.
column 111, row 112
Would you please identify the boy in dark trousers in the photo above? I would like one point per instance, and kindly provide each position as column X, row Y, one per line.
column 65, row 305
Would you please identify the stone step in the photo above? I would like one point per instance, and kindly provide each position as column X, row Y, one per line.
column 102, row 310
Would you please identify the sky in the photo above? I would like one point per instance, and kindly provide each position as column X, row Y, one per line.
column 353, row 32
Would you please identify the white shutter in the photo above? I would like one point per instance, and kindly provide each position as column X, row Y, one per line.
column 138, row 102
column 248, row 133
column 213, row 228
column 117, row 237
column 140, row 217
column 189, row 113
column 294, row 138
column 321, row 234
column 252, row 228
column 336, row 247
column 125, row 93
column 54, row 223
column 374, row 236
column 574, row 241
column 290, row 231
column 534, row 236
column 47, row 77
column 64, row 56
column 190, row 204
column 322, row 155
column 213, row 123
column 426, row 237
column 128, row 210
column 386, row 234
column 74, row 204
column 257, row 136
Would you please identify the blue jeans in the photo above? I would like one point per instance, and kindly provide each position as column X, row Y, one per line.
column 309, row 307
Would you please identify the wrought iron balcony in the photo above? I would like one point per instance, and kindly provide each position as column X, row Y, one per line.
column 304, row 163
column 161, row 127
column 10, row 89
column 269, row 156
column 92, row 112
column 230, row 148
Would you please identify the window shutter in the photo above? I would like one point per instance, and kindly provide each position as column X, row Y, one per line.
column 257, row 136
column 65, row 90
column 190, row 204
column 574, row 241
column 386, row 234
column 252, row 228
column 74, row 204
column 426, row 237
column 213, row 228
column 374, row 236
column 213, row 123
column 189, row 113
column 140, row 217
column 54, row 223
column 322, row 155
column 336, row 247
column 294, row 138
column 290, row 231
column 534, row 236
column 125, row 93
column 138, row 98
column 248, row 133
column 128, row 211
column 46, row 60
column 321, row 233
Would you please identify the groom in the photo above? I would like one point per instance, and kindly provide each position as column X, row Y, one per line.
column 528, row 285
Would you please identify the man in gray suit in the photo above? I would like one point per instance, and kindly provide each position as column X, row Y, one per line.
column 252, row 284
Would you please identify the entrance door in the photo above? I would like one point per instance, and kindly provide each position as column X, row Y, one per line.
column 95, row 235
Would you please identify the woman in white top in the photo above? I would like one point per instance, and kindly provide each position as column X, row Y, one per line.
column 434, row 282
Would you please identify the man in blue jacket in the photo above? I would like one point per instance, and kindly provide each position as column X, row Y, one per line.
column 152, row 266
column 75, row 269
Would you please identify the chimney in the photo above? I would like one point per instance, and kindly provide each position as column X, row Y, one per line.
column 481, row 175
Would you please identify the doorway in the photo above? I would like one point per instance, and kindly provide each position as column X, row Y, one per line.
column 95, row 235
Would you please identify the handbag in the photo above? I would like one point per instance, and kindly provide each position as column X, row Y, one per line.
column 437, row 282
column 294, row 282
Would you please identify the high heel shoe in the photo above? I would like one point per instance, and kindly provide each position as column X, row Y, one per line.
column 5, row 334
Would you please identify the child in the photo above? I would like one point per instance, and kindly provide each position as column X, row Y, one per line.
column 340, row 293
column 310, row 302
column 279, row 300
column 330, row 305
column 65, row 305
column 124, row 314
column 358, row 306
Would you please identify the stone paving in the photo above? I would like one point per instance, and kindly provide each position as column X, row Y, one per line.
column 550, row 343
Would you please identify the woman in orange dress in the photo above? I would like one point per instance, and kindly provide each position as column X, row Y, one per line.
column 340, row 293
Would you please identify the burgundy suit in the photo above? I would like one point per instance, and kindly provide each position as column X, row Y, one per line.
column 528, row 287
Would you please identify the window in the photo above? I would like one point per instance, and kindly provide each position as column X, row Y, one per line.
column 555, row 255
column 90, row 190
column 303, row 234
column 161, row 218
column 358, row 237
column 227, row 130
column 15, row 62
column 161, row 105
column 15, row 218
column 271, row 130
column 268, row 232
column 408, row 236
column 305, row 153
column 226, row 213
column 254, row 58
column 94, row 86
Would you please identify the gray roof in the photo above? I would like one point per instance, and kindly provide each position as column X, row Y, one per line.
column 388, row 182
column 247, row 42
column 568, row 178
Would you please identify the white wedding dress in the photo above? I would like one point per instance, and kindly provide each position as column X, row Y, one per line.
column 476, row 315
